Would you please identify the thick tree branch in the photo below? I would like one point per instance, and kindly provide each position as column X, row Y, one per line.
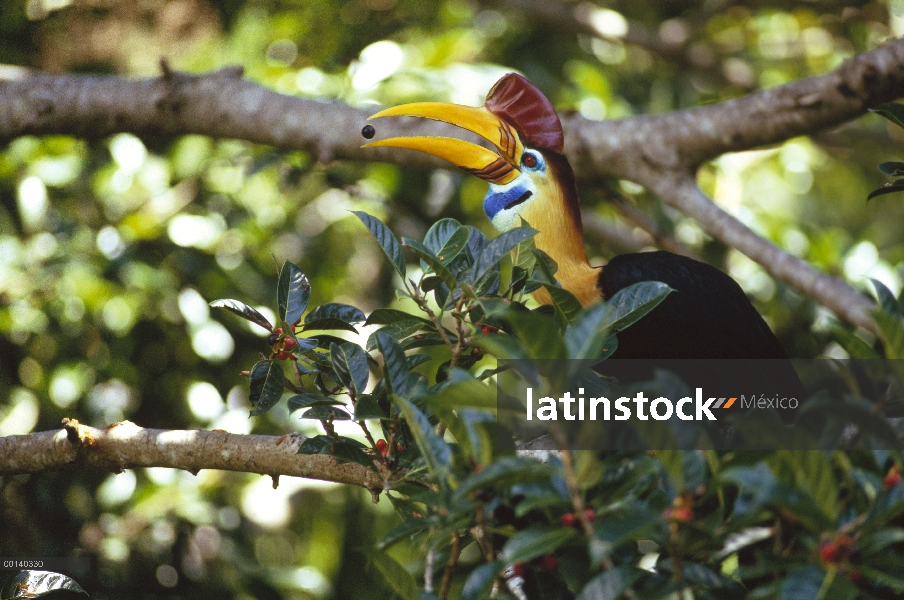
column 652, row 150
column 219, row 104
column 684, row 194
column 682, row 140
column 126, row 446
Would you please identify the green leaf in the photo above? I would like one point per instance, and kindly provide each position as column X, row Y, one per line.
column 704, row 577
column 891, row 329
column 308, row 399
column 475, row 432
column 545, row 265
column 852, row 344
column 367, row 407
column 440, row 232
column 387, row 240
column 522, row 255
column 888, row 188
column 803, row 583
column 892, row 169
column 343, row 449
column 446, row 239
column 244, row 311
column 335, row 310
column 422, row 340
column 539, row 334
column 610, row 584
column 395, row 364
column 480, row 581
column 418, row 359
column 584, row 338
column 322, row 324
column 292, row 293
column 436, row 452
column 396, row 576
column 350, row 366
column 306, row 344
column 397, row 331
column 564, row 302
column 326, row 413
column 407, row 529
column 267, row 382
column 434, row 263
column 488, row 285
column 431, row 283
column 490, row 256
column 886, row 298
column 878, row 542
column 888, row 506
column 633, row 302
column 756, row 484
column 316, row 444
column 892, row 111
column 892, row 582
column 477, row 241
column 615, row 528
column 460, row 390
column 506, row 471
column 810, row 471
column 388, row 316
column 501, row 346
column 534, row 542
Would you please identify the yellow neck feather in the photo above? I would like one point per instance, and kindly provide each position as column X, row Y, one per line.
column 562, row 239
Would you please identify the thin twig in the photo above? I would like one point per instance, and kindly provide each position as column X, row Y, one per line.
column 424, row 306
column 459, row 330
column 450, row 566
column 574, row 491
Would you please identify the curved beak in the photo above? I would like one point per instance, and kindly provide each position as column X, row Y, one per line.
column 499, row 168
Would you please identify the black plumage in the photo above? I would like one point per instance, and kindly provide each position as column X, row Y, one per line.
column 708, row 316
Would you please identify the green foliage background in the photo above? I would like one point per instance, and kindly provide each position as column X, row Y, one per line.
column 110, row 248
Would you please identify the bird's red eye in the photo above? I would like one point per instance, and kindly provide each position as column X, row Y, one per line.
column 529, row 161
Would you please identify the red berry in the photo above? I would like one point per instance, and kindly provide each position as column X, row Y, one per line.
column 679, row 514
column 290, row 343
column 488, row 329
column 381, row 445
column 590, row 514
column 550, row 563
column 568, row 520
column 283, row 355
column 828, row 552
column 854, row 575
column 278, row 331
column 520, row 570
column 892, row 479
column 398, row 447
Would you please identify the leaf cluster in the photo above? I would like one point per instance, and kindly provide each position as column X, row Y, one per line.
column 714, row 524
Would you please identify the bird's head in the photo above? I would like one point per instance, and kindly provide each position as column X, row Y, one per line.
column 529, row 177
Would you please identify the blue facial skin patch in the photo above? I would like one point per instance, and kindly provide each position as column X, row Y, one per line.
column 495, row 200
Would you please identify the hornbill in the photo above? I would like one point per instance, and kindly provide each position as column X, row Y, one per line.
column 708, row 316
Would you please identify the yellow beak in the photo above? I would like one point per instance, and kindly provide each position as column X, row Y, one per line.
column 496, row 168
